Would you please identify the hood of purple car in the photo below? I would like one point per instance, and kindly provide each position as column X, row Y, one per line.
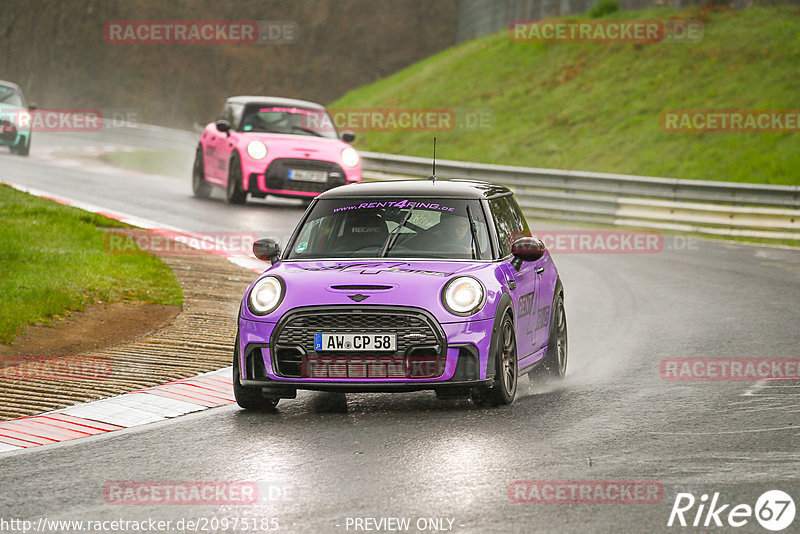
column 368, row 283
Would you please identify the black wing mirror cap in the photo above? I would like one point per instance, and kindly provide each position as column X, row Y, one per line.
column 267, row 249
column 528, row 249
column 223, row 126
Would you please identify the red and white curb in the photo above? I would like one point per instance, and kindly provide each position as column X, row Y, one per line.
column 140, row 407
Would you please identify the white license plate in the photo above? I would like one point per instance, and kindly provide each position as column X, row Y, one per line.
column 308, row 176
column 355, row 342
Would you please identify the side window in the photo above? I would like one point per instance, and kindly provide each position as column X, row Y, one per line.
column 226, row 114
column 520, row 224
column 236, row 115
column 503, row 223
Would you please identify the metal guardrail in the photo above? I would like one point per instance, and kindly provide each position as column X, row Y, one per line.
column 714, row 208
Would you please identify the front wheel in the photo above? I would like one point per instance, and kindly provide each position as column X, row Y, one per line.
column 248, row 397
column 22, row 149
column 200, row 187
column 504, row 388
column 234, row 192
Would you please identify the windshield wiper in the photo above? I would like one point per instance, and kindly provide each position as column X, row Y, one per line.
column 312, row 132
column 387, row 246
column 476, row 248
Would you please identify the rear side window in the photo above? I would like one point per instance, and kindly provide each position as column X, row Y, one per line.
column 509, row 222
column 520, row 224
column 236, row 115
column 503, row 223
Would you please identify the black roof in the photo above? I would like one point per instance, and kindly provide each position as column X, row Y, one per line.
column 471, row 189
column 274, row 101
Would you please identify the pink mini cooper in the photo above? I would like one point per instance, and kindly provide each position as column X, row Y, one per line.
column 262, row 145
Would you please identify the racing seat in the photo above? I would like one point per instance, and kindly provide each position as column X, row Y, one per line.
column 365, row 229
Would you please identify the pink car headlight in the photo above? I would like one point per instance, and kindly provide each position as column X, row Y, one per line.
column 257, row 150
column 350, row 157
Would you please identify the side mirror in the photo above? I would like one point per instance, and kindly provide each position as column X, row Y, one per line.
column 267, row 249
column 527, row 249
column 33, row 106
column 223, row 126
column 348, row 136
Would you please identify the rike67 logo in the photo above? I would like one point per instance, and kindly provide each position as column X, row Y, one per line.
column 774, row 510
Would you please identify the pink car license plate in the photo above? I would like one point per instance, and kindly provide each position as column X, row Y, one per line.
column 308, row 176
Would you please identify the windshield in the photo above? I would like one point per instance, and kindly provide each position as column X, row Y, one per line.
column 287, row 120
column 10, row 96
column 427, row 228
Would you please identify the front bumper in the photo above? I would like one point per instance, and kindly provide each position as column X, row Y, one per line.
column 281, row 357
column 275, row 181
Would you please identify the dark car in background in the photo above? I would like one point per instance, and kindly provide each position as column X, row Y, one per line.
column 15, row 119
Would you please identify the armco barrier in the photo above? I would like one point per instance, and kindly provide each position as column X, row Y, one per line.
column 706, row 207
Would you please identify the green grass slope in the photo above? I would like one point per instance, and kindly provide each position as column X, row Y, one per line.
column 55, row 259
column 598, row 107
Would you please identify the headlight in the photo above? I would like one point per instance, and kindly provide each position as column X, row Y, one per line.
column 463, row 296
column 266, row 295
column 23, row 119
column 350, row 157
column 257, row 150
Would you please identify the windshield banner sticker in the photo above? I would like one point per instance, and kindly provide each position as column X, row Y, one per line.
column 396, row 204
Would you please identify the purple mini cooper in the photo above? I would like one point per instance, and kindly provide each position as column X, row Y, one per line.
column 403, row 286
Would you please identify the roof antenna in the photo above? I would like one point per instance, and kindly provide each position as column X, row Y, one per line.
column 433, row 176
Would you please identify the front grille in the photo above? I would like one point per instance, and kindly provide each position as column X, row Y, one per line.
column 276, row 175
column 420, row 344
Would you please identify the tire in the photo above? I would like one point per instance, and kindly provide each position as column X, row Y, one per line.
column 248, row 397
column 234, row 192
column 200, row 187
column 22, row 149
column 554, row 364
column 504, row 388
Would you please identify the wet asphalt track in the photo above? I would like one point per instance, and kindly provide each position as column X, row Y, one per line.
column 411, row 456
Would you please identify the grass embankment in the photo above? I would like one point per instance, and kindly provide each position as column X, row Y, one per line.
column 54, row 260
column 598, row 107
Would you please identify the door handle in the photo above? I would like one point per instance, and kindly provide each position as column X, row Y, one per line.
column 539, row 270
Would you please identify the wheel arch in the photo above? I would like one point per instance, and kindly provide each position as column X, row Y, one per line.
column 504, row 304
